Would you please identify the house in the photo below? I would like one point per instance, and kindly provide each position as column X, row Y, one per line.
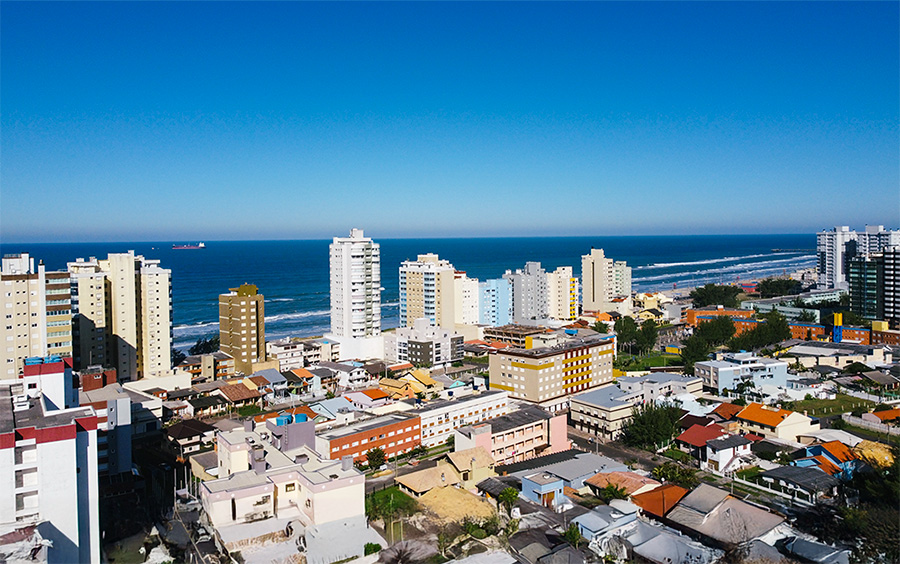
column 190, row 436
column 575, row 467
column 802, row 483
column 640, row 541
column 693, row 441
column 421, row 382
column 818, row 553
column 658, row 501
column 725, row 412
column 719, row 519
column 632, row 483
column 333, row 408
column 473, row 465
column 237, row 395
column 604, row 518
column 206, row 406
column 397, row 389
column 725, row 455
column 368, row 399
column 348, row 375
column 423, row 481
column 882, row 416
column 773, row 422
column 833, row 457
column 544, row 489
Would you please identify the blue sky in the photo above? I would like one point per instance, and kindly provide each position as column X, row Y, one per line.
column 204, row 121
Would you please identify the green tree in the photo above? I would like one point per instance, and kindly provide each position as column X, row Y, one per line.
column 716, row 331
column 626, row 331
column 205, row 346
column 600, row 327
column 177, row 357
column 508, row 497
column 712, row 294
column 695, row 349
column 674, row 473
column 773, row 287
column 375, row 457
column 651, row 425
column 855, row 368
column 806, row 317
column 573, row 535
column 646, row 336
column 611, row 492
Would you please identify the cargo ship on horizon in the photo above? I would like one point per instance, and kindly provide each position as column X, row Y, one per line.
column 197, row 246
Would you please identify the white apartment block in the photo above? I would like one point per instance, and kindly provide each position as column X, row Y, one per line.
column 562, row 294
column 37, row 313
column 134, row 334
column 735, row 368
column 466, row 306
column 603, row 279
column 530, row 301
column 549, row 375
column 440, row 418
column 48, row 471
column 835, row 249
column 355, row 263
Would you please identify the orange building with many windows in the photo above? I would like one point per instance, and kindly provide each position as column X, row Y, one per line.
column 395, row 433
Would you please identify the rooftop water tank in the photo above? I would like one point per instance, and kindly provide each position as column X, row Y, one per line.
column 282, row 420
column 300, row 418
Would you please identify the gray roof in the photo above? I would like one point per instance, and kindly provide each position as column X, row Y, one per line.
column 728, row 442
column 816, row 552
column 704, row 498
column 338, row 366
column 584, row 465
column 519, row 418
column 273, row 376
column 657, row 377
column 807, row 477
column 729, row 522
column 607, row 396
column 542, row 478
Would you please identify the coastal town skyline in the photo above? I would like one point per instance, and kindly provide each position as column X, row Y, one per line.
column 445, row 120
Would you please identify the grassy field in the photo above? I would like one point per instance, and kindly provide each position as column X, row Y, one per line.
column 818, row 408
column 652, row 360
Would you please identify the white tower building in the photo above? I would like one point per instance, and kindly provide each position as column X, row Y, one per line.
column 356, row 295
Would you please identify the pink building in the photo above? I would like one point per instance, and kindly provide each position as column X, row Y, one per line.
column 527, row 433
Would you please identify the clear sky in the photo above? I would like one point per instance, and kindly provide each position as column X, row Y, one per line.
column 203, row 121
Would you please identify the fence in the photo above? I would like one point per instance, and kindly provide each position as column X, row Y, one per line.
column 879, row 427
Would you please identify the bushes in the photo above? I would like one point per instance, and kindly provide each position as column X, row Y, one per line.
column 674, row 473
column 371, row 548
column 651, row 425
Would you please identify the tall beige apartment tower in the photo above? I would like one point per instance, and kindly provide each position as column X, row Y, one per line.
column 242, row 326
column 603, row 279
column 562, row 294
column 36, row 313
column 123, row 315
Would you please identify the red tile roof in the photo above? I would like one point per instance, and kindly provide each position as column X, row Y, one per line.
column 259, row 380
column 754, row 438
column 630, row 481
column 698, row 435
column 888, row 414
column 660, row 500
column 238, row 392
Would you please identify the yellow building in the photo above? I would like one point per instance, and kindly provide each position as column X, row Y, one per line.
column 562, row 294
column 242, row 327
column 548, row 375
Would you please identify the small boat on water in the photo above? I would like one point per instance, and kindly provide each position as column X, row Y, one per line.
column 197, row 246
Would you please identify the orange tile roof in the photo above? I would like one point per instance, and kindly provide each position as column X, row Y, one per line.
column 303, row 409
column 727, row 411
column 499, row 345
column 302, row 373
column 404, row 366
column 839, row 450
column 756, row 413
column 629, row 480
column 697, row 435
column 660, row 500
column 376, row 393
column 259, row 380
column 827, row 465
column 888, row 414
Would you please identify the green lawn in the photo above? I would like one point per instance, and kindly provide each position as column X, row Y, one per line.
column 749, row 474
column 677, row 455
column 390, row 501
column 652, row 360
column 818, row 408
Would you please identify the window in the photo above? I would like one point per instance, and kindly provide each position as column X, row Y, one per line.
column 290, row 487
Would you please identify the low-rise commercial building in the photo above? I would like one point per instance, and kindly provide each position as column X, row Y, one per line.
column 523, row 434
column 395, row 433
column 441, row 417
column 548, row 375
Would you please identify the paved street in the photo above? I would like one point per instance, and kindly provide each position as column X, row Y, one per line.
column 616, row 451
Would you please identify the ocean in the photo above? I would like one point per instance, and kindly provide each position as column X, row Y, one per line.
column 293, row 275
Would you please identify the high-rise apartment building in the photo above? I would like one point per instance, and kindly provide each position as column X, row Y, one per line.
column 242, row 326
column 603, row 279
column 37, row 313
column 426, row 291
column 529, row 293
column 495, row 302
column 562, row 294
column 874, row 282
column 837, row 247
column 431, row 288
column 355, row 263
column 49, row 464
column 122, row 309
